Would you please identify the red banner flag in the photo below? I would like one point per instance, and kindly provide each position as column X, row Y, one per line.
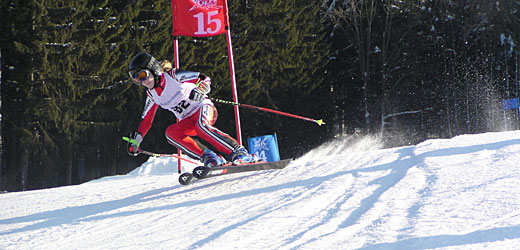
column 199, row 17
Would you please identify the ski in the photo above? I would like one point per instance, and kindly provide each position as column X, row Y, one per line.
column 202, row 172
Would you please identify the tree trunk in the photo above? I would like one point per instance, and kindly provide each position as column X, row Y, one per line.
column 24, row 169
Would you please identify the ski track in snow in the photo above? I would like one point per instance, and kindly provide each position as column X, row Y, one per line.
column 459, row 193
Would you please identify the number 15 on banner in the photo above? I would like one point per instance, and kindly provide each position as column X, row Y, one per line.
column 202, row 23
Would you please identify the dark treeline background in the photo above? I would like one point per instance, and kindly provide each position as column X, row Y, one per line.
column 404, row 70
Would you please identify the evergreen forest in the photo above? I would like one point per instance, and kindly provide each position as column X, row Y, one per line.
column 404, row 70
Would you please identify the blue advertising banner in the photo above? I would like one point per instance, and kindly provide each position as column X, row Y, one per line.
column 264, row 147
column 510, row 104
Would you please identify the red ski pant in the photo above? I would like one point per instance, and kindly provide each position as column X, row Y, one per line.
column 200, row 124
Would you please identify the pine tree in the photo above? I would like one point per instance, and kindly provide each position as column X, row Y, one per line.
column 18, row 96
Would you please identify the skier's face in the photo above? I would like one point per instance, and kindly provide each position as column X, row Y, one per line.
column 148, row 82
column 143, row 77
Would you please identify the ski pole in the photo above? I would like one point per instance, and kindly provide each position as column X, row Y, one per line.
column 319, row 122
column 156, row 154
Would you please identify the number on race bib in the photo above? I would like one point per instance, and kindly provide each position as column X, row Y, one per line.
column 183, row 105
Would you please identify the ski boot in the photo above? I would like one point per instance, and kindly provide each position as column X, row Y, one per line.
column 240, row 156
column 210, row 159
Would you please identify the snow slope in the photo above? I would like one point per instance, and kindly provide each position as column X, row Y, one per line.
column 461, row 193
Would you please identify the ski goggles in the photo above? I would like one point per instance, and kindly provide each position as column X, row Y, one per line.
column 139, row 76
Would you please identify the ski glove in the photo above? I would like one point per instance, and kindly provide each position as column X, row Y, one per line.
column 197, row 95
column 204, row 84
column 133, row 148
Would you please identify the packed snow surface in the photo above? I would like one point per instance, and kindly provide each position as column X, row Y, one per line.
column 459, row 193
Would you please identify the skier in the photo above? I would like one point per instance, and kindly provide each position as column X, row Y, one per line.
column 184, row 93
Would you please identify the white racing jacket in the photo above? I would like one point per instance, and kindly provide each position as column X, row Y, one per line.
column 172, row 94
